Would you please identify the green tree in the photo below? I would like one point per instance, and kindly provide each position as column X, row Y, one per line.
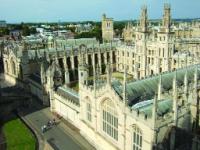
column 4, row 31
column 25, row 30
column 94, row 33
column 72, row 29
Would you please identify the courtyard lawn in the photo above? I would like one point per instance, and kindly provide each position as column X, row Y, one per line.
column 120, row 76
column 117, row 75
column 75, row 86
column 18, row 136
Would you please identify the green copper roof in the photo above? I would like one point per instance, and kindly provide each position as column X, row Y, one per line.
column 144, row 89
column 163, row 107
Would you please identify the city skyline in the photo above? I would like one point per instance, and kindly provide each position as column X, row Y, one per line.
column 90, row 10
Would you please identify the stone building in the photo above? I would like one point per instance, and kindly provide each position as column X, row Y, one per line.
column 28, row 62
column 151, row 52
column 107, row 29
column 155, row 50
column 151, row 111
column 129, row 115
column 129, row 33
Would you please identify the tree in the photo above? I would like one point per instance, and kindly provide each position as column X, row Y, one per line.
column 94, row 33
column 4, row 31
column 72, row 29
column 25, row 30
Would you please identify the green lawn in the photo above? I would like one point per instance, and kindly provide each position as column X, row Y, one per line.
column 75, row 86
column 18, row 136
column 117, row 75
column 120, row 76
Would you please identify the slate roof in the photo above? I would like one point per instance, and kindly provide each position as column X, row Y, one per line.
column 68, row 94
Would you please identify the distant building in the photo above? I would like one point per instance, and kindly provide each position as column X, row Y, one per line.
column 64, row 33
column 3, row 24
column 107, row 29
column 157, row 109
column 40, row 30
column 83, row 28
column 128, row 33
column 16, row 34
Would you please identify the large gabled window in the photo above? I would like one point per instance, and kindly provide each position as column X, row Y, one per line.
column 89, row 115
column 110, row 119
column 88, row 110
column 137, row 138
column 13, row 67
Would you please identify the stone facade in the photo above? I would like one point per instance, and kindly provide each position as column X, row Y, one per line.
column 153, row 51
column 107, row 29
column 110, row 113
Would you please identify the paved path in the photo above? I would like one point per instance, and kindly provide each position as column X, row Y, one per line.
column 58, row 137
column 61, row 136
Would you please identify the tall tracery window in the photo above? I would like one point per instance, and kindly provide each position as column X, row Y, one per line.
column 6, row 66
column 21, row 72
column 110, row 119
column 137, row 138
column 88, row 110
column 13, row 67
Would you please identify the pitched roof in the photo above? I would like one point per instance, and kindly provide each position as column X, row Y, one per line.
column 145, row 89
column 36, row 77
column 164, row 106
column 69, row 94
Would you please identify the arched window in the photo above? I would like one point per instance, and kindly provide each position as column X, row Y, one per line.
column 137, row 138
column 6, row 66
column 21, row 71
column 13, row 67
column 88, row 110
column 110, row 119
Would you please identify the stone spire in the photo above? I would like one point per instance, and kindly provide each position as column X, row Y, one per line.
column 129, row 25
column 195, row 84
column 124, row 84
column 82, row 70
column 104, row 16
column 143, row 19
column 82, row 60
column 42, row 72
column 36, row 55
column 175, row 105
column 195, row 77
column 109, row 74
column 166, row 21
column 186, row 85
column 160, row 87
column 154, row 110
column 97, row 74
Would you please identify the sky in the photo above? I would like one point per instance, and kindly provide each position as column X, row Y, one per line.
column 14, row 11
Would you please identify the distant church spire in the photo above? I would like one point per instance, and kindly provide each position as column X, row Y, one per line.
column 144, row 19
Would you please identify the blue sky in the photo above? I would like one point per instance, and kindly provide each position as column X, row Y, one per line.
column 81, row 10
